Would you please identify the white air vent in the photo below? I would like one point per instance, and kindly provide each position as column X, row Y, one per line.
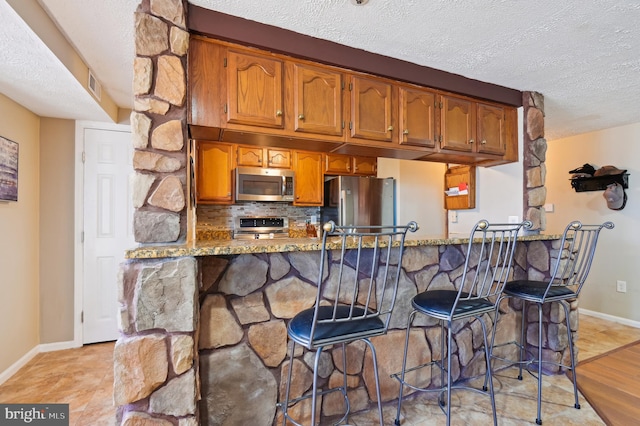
column 94, row 86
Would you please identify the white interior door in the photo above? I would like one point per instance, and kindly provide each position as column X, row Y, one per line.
column 107, row 228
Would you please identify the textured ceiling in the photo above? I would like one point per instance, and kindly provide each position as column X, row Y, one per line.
column 583, row 55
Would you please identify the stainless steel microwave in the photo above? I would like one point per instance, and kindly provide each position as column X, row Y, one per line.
column 258, row 184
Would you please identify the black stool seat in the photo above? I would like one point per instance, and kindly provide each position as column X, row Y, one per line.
column 534, row 291
column 300, row 326
column 439, row 303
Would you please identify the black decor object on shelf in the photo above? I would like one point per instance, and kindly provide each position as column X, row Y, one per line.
column 599, row 183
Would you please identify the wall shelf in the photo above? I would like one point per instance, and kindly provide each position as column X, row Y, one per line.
column 460, row 177
column 599, row 183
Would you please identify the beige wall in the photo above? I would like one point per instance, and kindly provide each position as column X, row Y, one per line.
column 618, row 249
column 56, row 230
column 19, row 239
column 418, row 194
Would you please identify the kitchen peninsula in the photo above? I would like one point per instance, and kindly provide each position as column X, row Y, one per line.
column 206, row 320
column 234, row 297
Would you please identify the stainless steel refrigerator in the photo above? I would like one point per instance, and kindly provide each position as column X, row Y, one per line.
column 358, row 201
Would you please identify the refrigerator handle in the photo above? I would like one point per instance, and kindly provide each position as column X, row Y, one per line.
column 343, row 210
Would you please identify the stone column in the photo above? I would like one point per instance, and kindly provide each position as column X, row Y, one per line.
column 156, row 376
column 158, row 122
column 535, row 149
column 155, row 357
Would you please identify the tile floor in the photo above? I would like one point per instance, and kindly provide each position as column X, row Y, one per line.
column 83, row 378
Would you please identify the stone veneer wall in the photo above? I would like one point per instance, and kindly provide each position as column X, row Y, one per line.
column 243, row 343
column 158, row 122
column 234, row 310
column 535, row 149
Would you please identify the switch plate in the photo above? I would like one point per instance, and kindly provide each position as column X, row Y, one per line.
column 621, row 286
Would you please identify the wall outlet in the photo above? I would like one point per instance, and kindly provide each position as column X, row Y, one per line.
column 453, row 216
column 514, row 219
column 621, row 286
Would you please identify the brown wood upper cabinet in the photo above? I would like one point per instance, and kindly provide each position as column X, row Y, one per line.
column 317, row 99
column 471, row 126
column 417, row 116
column 254, row 89
column 251, row 156
column 371, row 106
column 340, row 164
column 248, row 96
column 309, row 182
column 213, row 174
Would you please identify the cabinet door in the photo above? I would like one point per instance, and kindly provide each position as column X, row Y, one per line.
column 309, row 185
column 457, row 124
column 278, row 158
column 491, row 129
column 214, row 180
column 365, row 166
column 317, row 94
column 371, row 110
column 254, row 90
column 338, row 164
column 207, row 82
column 249, row 156
column 417, row 115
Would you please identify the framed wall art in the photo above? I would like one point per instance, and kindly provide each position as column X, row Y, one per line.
column 8, row 170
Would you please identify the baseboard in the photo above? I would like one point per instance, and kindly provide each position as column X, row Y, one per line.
column 58, row 346
column 46, row 347
column 619, row 320
column 13, row 369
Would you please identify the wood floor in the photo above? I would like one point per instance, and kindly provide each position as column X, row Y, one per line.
column 83, row 378
column 610, row 382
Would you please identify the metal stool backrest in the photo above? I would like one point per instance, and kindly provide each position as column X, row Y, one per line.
column 574, row 257
column 489, row 259
column 364, row 265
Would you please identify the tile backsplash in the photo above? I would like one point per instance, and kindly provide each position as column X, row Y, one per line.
column 221, row 216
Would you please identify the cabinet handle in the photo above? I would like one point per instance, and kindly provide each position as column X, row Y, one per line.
column 484, row 142
column 278, row 113
column 406, row 132
column 471, row 141
column 301, row 117
column 228, row 194
column 390, row 129
column 260, row 160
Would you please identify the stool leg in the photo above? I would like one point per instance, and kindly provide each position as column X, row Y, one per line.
column 285, row 405
column 573, row 358
column 449, row 338
column 375, row 374
column 496, row 317
column 404, row 366
column 487, row 354
column 523, row 341
column 314, row 395
column 442, row 348
column 539, row 418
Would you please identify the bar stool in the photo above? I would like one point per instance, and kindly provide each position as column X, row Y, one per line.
column 353, row 302
column 570, row 270
column 487, row 268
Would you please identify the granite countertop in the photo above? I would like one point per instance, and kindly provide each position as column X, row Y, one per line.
column 231, row 247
